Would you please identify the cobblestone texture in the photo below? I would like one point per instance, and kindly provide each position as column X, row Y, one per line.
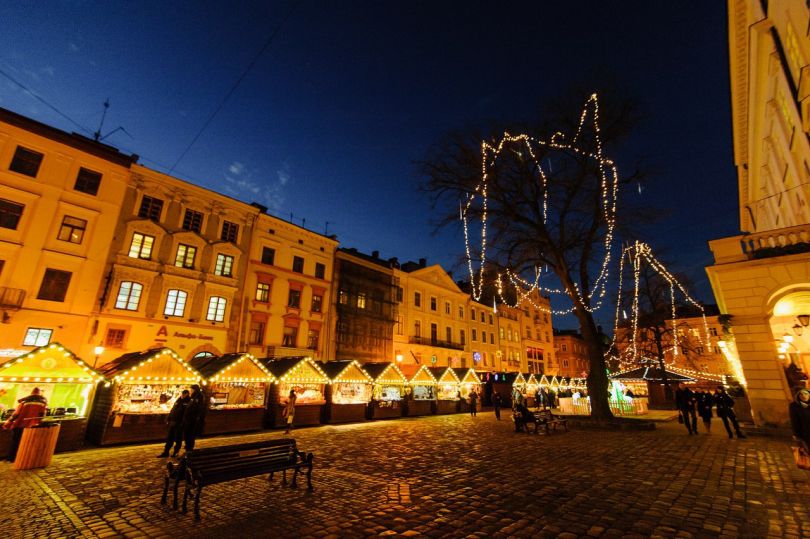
column 445, row 476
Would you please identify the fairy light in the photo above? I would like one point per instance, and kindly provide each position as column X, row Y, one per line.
column 91, row 375
column 422, row 377
column 127, row 374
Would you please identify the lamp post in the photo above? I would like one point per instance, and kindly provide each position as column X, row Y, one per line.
column 98, row 350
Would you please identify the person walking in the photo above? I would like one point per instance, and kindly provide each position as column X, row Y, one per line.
column 800, row 419
column 194, row 417
column 175, row 422
column 725, row 411
column 473, row 403
column 497, row 401
column 289, row 411
column 705, row 402
column 685, row 402
column 30, row 410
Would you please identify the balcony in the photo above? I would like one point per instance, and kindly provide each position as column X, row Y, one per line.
column 427, row 341
column 758, row 245
column 11, row 298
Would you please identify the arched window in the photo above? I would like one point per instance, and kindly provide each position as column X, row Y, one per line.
column 200, row 355
column 129, row 295
column 216, row 309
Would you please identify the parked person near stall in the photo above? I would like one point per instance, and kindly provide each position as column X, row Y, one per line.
column 685, row 402
column 705, row 401
column 496, row 402
column 725, row 411
column 194, row 417
column 30, row 410
column 473, row 403
column 175, row 422
column 800, row 419
column 289, row 411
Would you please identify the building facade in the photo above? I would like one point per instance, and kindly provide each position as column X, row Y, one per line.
column 571, row 354
column 484, row 344
column 537, row 334
column 761, row 278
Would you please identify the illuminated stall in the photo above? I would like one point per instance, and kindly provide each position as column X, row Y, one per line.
column 237, row 387
column 388, row 391
column 306, row 377
column 142, row 390
column 519, row 389
column 530, row 390
column 447, row 390
column 422, row 395
column 348, row 393
column 469, row 381
column 66, row 382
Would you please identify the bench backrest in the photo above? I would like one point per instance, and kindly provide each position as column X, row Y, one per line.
column 261, row 454
column 544, row 414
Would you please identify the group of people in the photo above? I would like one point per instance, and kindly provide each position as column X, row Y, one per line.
column 186, row 420
column 691, row 404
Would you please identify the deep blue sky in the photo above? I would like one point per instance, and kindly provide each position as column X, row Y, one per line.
column 333, row 116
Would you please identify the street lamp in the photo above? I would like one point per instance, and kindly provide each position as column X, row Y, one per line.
column 98, row 350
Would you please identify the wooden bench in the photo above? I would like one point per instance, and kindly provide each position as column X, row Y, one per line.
column 549, row 421
column 523, row 420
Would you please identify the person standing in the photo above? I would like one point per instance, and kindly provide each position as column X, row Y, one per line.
column 473, row 403
column 194, row 417
column 725, row 411
column 685, row 401
column 496, row 402
column 289, row 411
column 800, row 419
column 705, row 401
column 538, row 398
column 175, row 422
column 30, row 410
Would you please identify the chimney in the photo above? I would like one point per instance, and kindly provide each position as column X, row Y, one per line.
column 422, row 262
column 375, row 254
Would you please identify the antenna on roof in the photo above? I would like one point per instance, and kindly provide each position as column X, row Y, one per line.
column 97, row 135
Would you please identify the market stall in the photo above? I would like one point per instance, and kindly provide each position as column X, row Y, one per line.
column 531, row 388
column 519, row 389
column 469, row 381
column 67, row 383
column 422, row 395
column 348, row 393
column 307, row 379
column 134, row 406
column 447, row 390
column 388, row 390
column 497, row 381
column 647, row 383
column 237, row 387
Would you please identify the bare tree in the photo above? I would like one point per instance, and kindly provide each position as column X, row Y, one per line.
column 547, row 206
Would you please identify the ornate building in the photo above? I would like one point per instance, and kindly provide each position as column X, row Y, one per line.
column 571, row 354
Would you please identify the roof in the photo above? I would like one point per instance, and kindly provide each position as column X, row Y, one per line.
column 127, row 363
column 376, row 370
column 334, row 369
column 211, row 366
column 61, row 365
column 278, row 366
column 650, row 374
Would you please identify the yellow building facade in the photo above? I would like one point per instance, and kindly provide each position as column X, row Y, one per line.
column 761, row 278
column 60, row 196
column 537, row 334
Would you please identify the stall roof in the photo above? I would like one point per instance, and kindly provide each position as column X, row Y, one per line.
column 295, row 369
column 348, row 370
column 466, row 376
column 125, row 366
column 228, row 367
column 423, row 375
column 385, row 372
column 441, row 374
column 49, row 363
column 519, row 380
column 543, row 382
column 649, row 374
column 530, row 379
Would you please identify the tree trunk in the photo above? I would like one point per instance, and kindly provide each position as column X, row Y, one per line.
column 597, row 373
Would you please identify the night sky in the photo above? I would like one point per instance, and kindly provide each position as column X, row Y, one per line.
column 330, row 121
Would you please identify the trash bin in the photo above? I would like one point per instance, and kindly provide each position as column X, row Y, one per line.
column 37, row 446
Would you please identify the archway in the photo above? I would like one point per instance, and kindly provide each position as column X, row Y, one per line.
column 790, row 325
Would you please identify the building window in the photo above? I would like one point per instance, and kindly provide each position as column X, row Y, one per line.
column 399, row 294
column 115, row 338
column 72, row 229
column 230, row 231
column 483, row 336
column 26, row 161
column 185, row 256
column 433, row 304
column 317, row 303
column 298, row 264
column 290, row 337
column 37, row 337
column 224, row 265
column 472, row 314
column 528, row 332
column 129, row 295
column 491, row 322
column 268, row 255
column 256, row 332
column 545, row 318
column 461, row 312
column 175, row 303
column 263, row 292
column 343, row 297
column 446, row 307
column 417, row 299
column 474, row 335
column 713, row 332
column 87, row 181
column 483, row 317
column 294, row 299
column 548, row 339
column 10, row 214
column 448, row 333
column 216, row 309
column 434, row 333
column 417, row 328
column 192, row 220
column 312, row 339
column 462, row 337
column 500, row 333
column 141, row 246
column 398, row 324
column 150, row 208
column 2, row 264
column 491, row 338
column 699, row 350
column 320, row 270
column 54, row 285
column 565, row 349
column 361, row 300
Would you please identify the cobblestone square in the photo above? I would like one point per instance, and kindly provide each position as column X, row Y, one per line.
column 440, row 476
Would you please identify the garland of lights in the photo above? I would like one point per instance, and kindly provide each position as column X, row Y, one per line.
column 53, row 348
column 609, row 186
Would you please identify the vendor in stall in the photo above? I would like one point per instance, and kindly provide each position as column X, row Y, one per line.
column 29, row 412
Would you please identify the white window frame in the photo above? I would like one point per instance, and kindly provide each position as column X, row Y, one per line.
column 138, row 247
column 224, row 262
column 129, row 296
column 216, row 309
column 37, row 337
column 175, row 301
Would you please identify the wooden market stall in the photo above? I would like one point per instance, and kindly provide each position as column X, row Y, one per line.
column 447, row 390
column 348, row 393
column 468, row 381
column 530, row 390
column 143, row 386
column 500, row 382
column 388, row 391
column 67, row 383
column 519, row 388
column 422, row 395
column 647, row 383
column 237, row 386
column 307, row 379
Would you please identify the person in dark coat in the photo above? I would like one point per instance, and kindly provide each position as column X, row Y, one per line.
column 705, row 402
column 473, row 403
column 522, row 416
column 194, row 417
column 175, row 422
column 30, row 410
column 497, row 401
column 685, row 402
column 538, row 398
column 800, row 419
column 725, row 411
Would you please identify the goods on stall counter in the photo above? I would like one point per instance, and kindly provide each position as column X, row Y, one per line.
column 238, row 395
column 387, row 393
column 305, row 394
column 423, row 393
column 351, row 393
column 147, row 399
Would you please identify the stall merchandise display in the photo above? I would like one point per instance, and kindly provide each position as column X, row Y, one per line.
column 385, row 393
column 236, row 395
column 304, row 393
column 351, row 392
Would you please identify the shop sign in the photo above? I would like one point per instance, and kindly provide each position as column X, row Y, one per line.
column 164, row 332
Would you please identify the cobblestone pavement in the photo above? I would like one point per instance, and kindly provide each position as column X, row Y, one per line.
column 441, row 476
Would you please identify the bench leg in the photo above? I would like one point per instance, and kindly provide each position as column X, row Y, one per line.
column 176, row 489
column 197, row 503
column 186, row 494
column 294, row 482
column 166, row 491
column 309, row 472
